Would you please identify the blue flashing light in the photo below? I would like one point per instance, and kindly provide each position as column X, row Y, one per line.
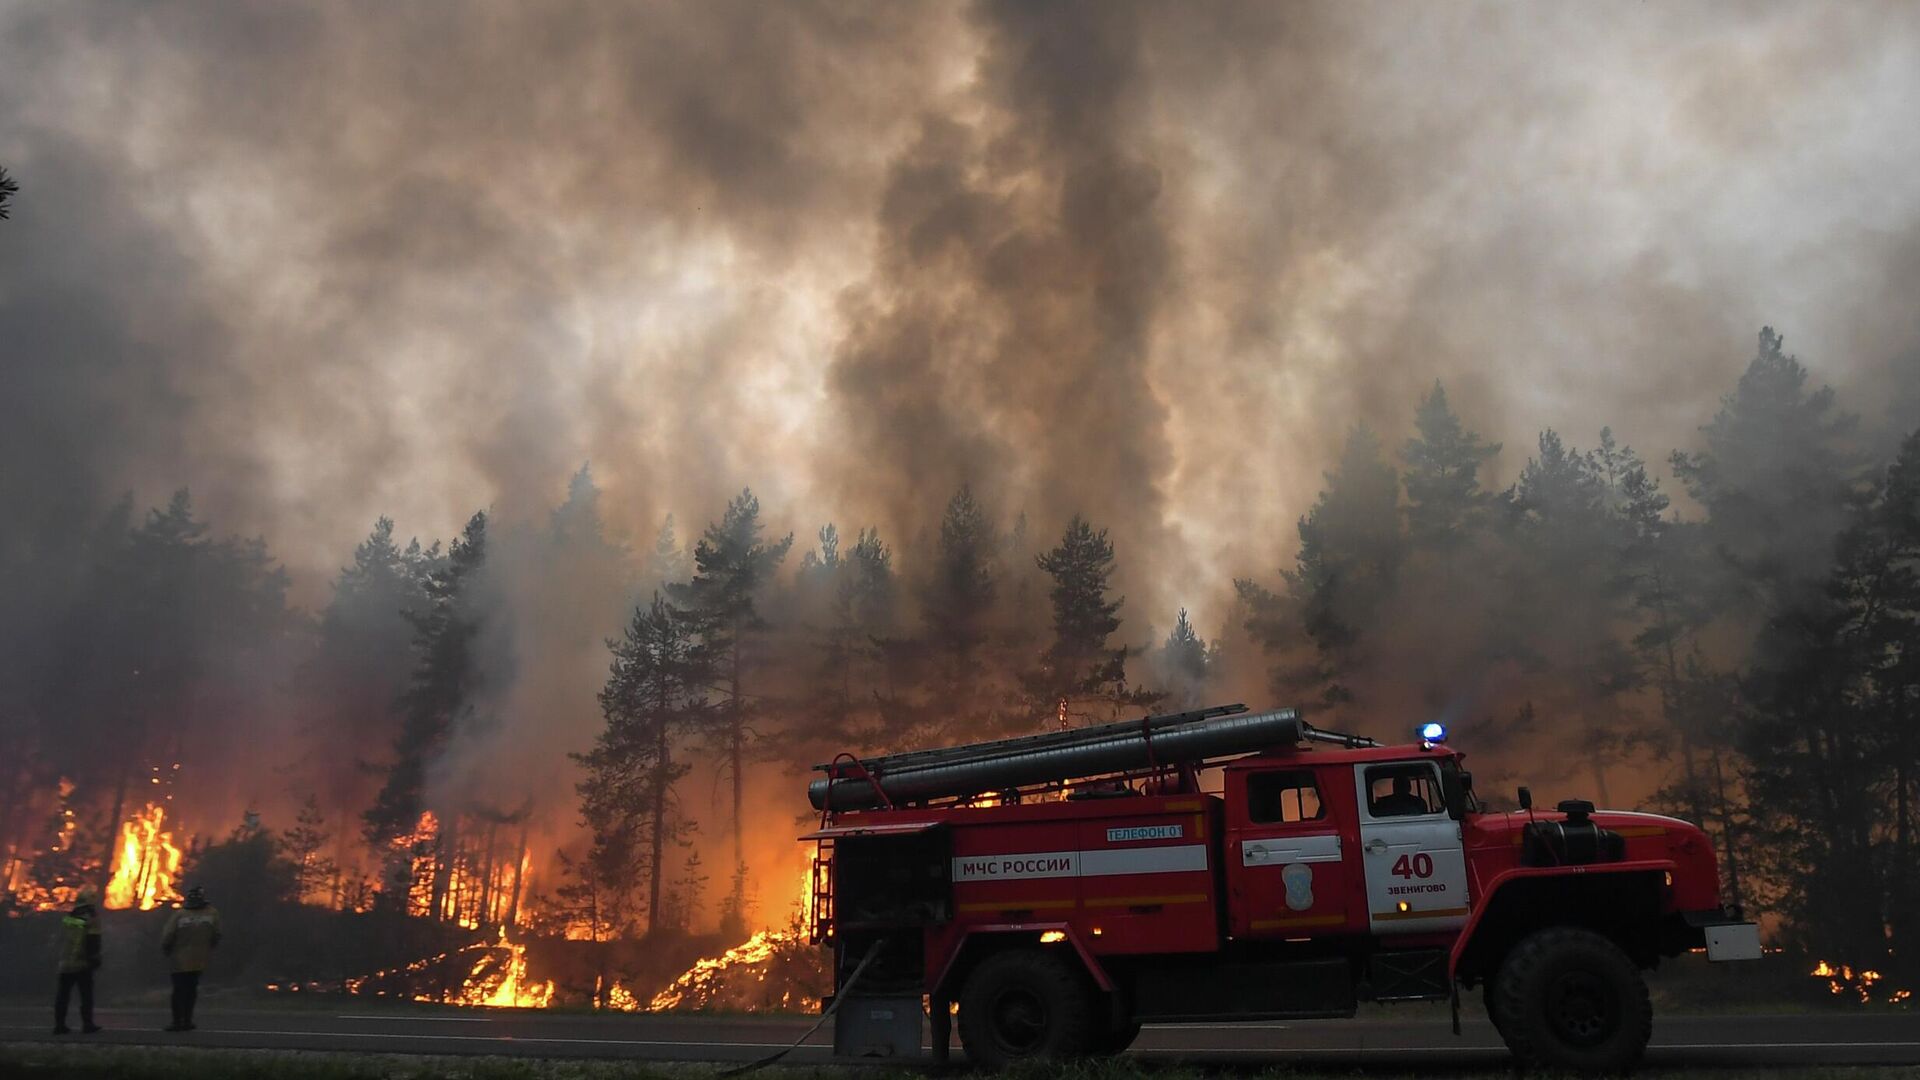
column 1433, row 731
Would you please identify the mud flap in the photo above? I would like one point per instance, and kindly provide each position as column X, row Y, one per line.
column 940, row 1028
column 1455, row 1001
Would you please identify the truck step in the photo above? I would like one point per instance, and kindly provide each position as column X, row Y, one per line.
column 1406, row 975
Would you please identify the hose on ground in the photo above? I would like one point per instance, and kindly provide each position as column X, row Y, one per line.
column 838, row 997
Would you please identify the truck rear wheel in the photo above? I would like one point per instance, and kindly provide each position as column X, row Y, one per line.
column 1568, row 998
column 1025, row 1005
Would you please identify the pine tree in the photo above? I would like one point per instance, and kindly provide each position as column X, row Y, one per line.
column 858, row 619
column 866, row 591
column 652, row 695
column 9, row 187
column 667, row 563
column 1778, row 479
column 1350, row 555
column 197, row 620
column 1661, row 573
column 1078, row 663
column 1776, row 476
column 732, row 565
column 818, row 571
column 1445, row 502
column 304, row 845
column 1563, row 595
column 1185, row 661
column 580, row 905
column 685, row 894
column 957, row 600
column 1892, row 678
column 583, row 903
column 1828, row 736
column 351, row 686
column 446, row 678
column 577, row 521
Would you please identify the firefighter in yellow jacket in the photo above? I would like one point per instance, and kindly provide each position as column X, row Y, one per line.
column 188, row 940
column 79, row 944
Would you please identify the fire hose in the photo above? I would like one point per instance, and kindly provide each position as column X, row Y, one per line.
column 826, row 1014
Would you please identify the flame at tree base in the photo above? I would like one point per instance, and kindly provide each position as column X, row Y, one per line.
column 774, row 970
column 1844, row 979
column 491, row 975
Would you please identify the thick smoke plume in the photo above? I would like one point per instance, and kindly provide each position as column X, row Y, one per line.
column 1146, row 263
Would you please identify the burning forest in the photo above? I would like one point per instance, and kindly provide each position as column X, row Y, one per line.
column 646, row 862
column 458, row 578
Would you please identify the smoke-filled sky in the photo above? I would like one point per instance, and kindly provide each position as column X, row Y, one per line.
column 1147, row 262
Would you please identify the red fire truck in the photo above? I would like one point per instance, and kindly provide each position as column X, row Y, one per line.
column 1062, row 889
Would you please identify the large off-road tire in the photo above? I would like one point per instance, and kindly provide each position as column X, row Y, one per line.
column 1490, row 996
column 1568, row 998
column 1026, row 1005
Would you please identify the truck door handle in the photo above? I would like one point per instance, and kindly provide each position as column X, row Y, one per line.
column 1376, row 847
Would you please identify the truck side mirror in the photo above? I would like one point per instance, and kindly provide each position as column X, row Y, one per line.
column 1526, row 798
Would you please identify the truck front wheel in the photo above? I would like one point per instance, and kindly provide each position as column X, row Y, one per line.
column 1025, row 1005
column 1568, row 998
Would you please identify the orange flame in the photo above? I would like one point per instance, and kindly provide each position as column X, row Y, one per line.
column 35, row 895
column 1843, row 979
column 695, row 987
column 148, row 861
column 504, row 984
column 450, row 872
column 497, row 978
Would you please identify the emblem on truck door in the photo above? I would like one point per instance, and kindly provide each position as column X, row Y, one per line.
column 1298, row 878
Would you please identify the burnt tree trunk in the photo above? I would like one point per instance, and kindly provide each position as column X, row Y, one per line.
column 483, row 906
column 736, row 754
column 113, row 832
column 519, row 864
column 444, row 846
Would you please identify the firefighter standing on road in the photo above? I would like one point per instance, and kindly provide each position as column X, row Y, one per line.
column 190, row 937
column 79, row 944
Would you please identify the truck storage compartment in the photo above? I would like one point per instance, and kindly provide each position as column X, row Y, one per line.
column 893, row 880
column 1150, row 881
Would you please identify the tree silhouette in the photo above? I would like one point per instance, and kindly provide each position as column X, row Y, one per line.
column 732, row 565
column 1078, row 661
column 652, row 695
column 445, row 677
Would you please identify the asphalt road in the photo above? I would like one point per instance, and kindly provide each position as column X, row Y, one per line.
column 1419, row 1043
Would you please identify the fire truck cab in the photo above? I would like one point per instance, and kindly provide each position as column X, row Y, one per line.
column 1065, row 888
